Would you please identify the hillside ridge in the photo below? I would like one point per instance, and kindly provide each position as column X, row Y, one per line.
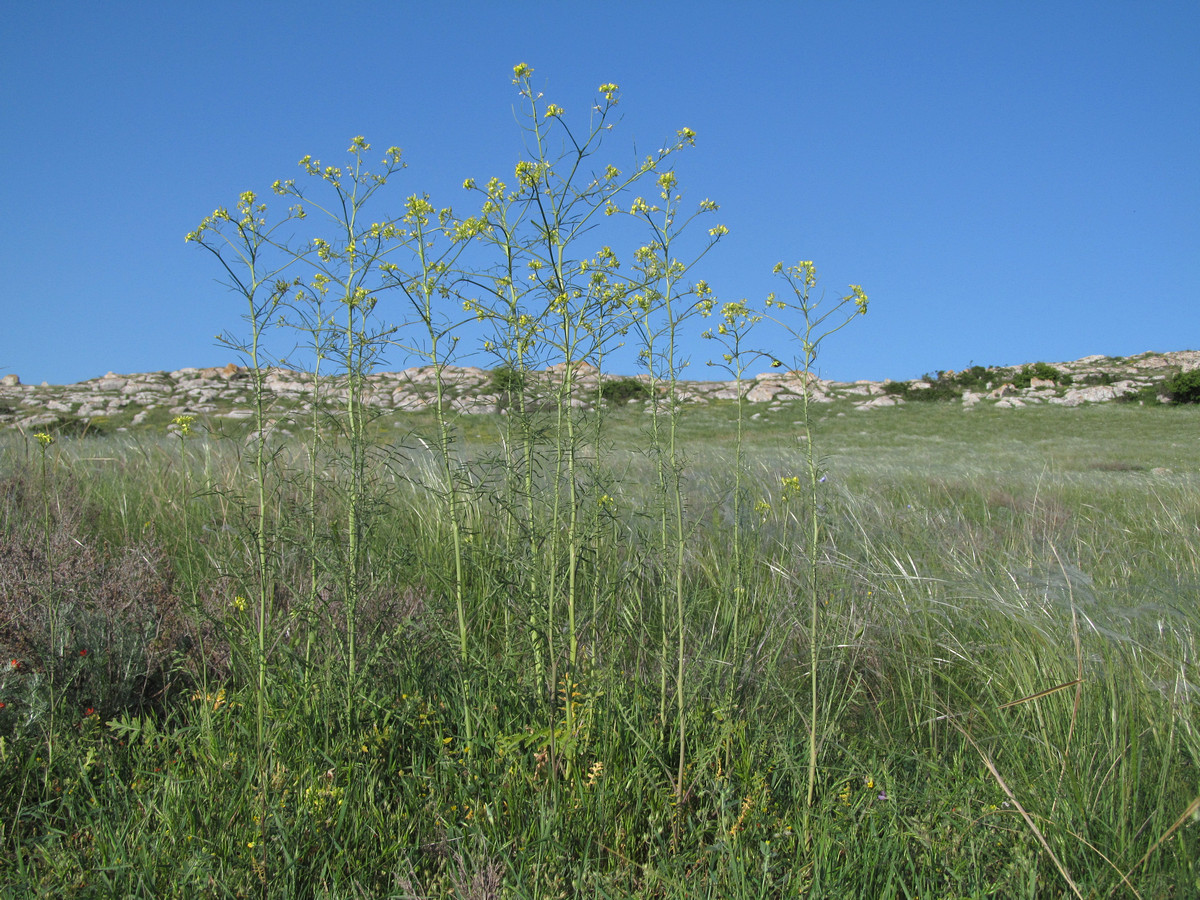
column 131, row 400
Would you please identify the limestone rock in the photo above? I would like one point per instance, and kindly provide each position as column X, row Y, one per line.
column 879, row 402
column 763, row 392
column 1152, row 362
column 38, row 421
column 1095, row 394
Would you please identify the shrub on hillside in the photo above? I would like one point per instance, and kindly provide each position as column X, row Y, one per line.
column 1147, row 393
column 975, row 378
column 507, row 384
column 1183, row 387
column 619, row 391
column 1040, row 370
column 939, row 389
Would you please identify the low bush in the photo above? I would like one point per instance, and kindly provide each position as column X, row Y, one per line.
column 1147, row 393
column 1183, row 387
column 937, row 390
column 1039, row 370
column 507, row 384
column 621, row 390
column 975, row 378
column 940, row 388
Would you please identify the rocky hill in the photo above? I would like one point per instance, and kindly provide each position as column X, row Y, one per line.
column 124, row 401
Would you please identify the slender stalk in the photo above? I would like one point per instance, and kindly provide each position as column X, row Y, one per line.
column 244, row 246
column 809, row 333
column 51, row 598
column 665, row 294
column 423, row 289
column 736, row 321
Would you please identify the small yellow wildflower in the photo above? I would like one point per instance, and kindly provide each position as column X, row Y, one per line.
column 791, row 486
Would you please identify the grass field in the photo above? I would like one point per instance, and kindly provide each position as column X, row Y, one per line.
column 204, row 695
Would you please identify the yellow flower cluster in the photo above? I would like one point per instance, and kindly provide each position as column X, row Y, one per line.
column 791, row 487
column 217, row 700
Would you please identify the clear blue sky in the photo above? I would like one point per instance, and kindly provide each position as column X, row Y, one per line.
column 1010, row 182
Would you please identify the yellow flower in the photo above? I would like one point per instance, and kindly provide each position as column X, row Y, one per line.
column 791, row 487
column 44, row 439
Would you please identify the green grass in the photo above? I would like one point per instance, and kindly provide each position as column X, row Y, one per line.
column 972, row 561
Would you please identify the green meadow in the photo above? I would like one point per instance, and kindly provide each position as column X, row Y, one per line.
column 604, row 643
column 1004, row 661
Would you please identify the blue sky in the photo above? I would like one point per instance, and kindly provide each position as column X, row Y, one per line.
column 1009, row 182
